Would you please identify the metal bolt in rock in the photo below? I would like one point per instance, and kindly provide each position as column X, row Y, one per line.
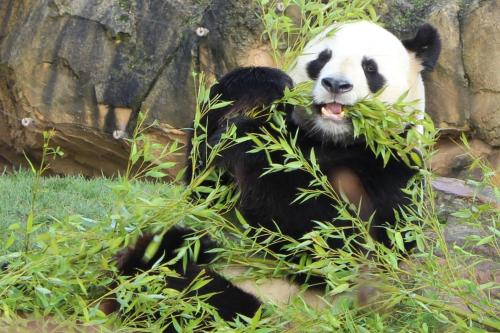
column 27, row 122
column 201, row 31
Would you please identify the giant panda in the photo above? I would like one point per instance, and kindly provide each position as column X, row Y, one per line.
column 355, row 62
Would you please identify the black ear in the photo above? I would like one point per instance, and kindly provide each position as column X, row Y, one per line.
column 426, row 45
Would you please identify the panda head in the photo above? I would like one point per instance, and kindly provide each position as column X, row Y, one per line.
column 352, row 61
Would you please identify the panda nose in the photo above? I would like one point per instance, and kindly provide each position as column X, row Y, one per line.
column 336, row 86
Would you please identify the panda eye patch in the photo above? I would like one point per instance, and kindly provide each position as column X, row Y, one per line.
column 369, row 65
column 325, row 55
column 374, row 79
column 315, row 66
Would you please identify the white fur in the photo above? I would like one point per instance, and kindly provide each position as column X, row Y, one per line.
column 279, row 292
column 350, row 43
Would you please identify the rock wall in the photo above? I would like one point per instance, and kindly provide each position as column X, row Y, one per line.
column 87, row 67
column 463, row 93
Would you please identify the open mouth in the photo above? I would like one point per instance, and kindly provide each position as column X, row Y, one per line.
column 331, row 111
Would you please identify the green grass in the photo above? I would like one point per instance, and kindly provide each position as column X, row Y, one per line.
column 62, row 264
column 59, row 198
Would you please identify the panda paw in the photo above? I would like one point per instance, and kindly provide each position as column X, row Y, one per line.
column 130, row 260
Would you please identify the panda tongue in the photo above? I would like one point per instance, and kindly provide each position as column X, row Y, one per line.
column 332, row 109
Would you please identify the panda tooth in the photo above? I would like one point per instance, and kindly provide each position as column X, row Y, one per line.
column 323, row 110
column 342, row 113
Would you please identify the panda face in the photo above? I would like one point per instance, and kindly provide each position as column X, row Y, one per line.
column 348, row 63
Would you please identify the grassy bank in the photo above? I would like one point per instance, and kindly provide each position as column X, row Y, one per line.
column 58, row 199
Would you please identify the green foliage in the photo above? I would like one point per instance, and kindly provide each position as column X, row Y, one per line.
column 384, row 128
column 66, row 272
column 381, row 124
column 58, row 198
column 288, row 34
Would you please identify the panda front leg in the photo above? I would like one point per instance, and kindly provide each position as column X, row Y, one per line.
column 232, row 152
column 369, row 185
column 385, row 186
column 225, row 297
column 251, row 91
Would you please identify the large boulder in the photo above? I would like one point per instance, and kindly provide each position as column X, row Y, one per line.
column 463, row 92
column 481, row 51
column 465, row 225
column 447, row 94
column 86, row 68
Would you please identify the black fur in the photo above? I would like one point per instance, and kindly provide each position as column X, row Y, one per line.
column 248, row 88
column 110, row 120
column 267, row 200
column 227, row 299
column 376, row 81
column 315, row 66
column 426, row 45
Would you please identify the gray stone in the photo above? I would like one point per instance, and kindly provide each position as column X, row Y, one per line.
column 481, row 35
column 481, row 50
column 403, row 17
column 463, row 92
column 466, row 231
column 447, row 95
column 452, row 158
column 455, row 195
column 90, row 66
